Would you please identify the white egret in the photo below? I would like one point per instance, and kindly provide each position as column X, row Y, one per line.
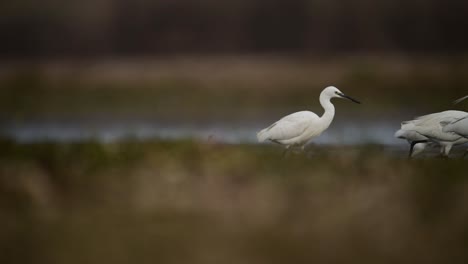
column 429, row 126
column 299, row 128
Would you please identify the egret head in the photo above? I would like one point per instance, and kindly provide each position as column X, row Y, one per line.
column 332, row 92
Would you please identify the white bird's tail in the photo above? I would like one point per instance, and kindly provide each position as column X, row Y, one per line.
column 262, row 135
column 400, row 133
column 406, row 127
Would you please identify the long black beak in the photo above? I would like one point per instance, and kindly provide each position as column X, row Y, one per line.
column 460, row 99
column 349, row 98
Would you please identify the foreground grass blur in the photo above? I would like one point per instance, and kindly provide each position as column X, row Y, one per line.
column 191, row 202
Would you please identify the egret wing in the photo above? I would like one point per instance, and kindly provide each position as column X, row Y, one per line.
column 430, row 125
column 291, row 126
column 435, row 118
column 459, row 126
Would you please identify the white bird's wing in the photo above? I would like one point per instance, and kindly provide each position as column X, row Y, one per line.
column 290, row 126
column 430, row 125
column 459, row 126
column 438, row 117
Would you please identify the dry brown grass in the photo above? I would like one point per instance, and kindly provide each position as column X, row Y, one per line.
column 179, row 202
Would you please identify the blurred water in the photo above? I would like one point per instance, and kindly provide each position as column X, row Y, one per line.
column 347, row 132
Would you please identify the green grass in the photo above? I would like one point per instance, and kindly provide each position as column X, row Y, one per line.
column 195, row 202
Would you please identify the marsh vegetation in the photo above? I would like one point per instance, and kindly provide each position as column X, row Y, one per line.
column 202, row 202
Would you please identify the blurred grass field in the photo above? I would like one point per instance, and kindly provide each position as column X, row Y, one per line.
column 245, row 88
column 201, row 202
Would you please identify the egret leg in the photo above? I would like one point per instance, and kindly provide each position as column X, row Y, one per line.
column 303, row 150
column 413, row 143
column 447, row 151
column 464, row 154
column 285, row 152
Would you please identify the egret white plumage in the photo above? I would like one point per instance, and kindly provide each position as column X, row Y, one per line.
column 417, row 141
column 429, row 126
column 299, row 128
column 459, row 126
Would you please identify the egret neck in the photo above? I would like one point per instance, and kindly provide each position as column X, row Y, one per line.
column 329, row 108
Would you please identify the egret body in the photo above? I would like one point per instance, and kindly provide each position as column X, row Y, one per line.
column 299, row 128
column 429, row 126
column 458, row 126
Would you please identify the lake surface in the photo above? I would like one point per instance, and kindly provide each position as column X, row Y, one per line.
column 346, row 132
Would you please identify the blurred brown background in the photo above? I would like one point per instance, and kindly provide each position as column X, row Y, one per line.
column 115, row 114
column 401, row 54
column 98, row 28
column 189, row 61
